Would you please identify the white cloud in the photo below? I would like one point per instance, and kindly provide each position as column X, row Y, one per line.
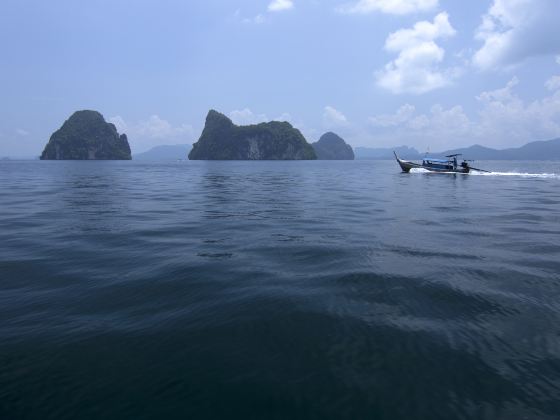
column 436, row 130
column 509, row 119
column 553, row 83
column 152, row 132
column 120, row 124
column 416, row 69
column 273, row 7
column 246, row 117
column 153, row 128
column 308, row 132
column 503, row 120
column 514, row 30
column 21, row 132
column 395, row 7
column 284, row 117
column 502, row 95
column 280, row 5
column 158, row 128
column 403, row 114
column 333, row 118
column 438, row 126
column 257, row 20
column 558, row 59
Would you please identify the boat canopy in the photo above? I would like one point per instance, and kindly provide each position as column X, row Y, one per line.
column 436, row 160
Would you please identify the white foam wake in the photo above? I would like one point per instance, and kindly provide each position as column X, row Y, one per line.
column 518, row 174
column 425, row 171
column 474, row 172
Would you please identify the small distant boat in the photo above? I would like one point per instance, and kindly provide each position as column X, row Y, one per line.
column 439, row 165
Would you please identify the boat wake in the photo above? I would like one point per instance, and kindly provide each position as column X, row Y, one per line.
column 478, row 173
column 425, row 171
column 518, row 174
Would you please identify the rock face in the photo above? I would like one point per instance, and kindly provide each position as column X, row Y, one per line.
column 223, row 140
column 87, row 136
column 332, row 147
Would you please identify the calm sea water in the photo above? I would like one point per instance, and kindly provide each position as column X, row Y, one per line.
column 278, row 290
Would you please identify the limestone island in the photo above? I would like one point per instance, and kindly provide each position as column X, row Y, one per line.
column 87, row 136
column 221, row 139
column 332, row 147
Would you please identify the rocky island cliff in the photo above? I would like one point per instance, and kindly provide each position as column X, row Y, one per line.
column 332, row 147
column 87, row 136
column 221, row 139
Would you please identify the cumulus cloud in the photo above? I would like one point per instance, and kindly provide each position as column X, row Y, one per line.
column 333, row 118
column 280, row 5
column 434, row 129
column 246, row 117
column 553, row 83
column 152, row 132
column 257, row 20
column 502, row 95
column 505, row 116
column 273, row 7
column 503, row 120
column 395, row 7
column 285, row 116
column 403, row 114
column 308, row 132
column 512, row 31
column 154, row 128
column 416, row 69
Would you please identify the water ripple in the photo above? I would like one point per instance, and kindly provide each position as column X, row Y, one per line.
column 278, row 290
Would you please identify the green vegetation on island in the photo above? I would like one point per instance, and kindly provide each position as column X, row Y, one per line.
column 87, row 136
column 332, row 147
column 221, row 139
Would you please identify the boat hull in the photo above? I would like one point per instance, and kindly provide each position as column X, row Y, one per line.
column 406, row 166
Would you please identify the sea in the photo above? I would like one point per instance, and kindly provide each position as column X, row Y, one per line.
column 278, row 290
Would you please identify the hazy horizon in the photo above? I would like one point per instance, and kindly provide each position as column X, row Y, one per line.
column 422, row 73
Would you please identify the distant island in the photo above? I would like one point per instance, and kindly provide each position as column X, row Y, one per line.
column 332, row 147
column 165, row 152
column 329, row 147
column 221, row 139
column 87, row 136
column 536, row 150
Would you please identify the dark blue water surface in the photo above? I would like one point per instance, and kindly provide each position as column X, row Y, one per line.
column 278, row 290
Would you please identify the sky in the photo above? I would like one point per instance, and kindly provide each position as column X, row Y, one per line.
column 432, row 74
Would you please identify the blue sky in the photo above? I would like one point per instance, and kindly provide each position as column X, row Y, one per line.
column 426, row 73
